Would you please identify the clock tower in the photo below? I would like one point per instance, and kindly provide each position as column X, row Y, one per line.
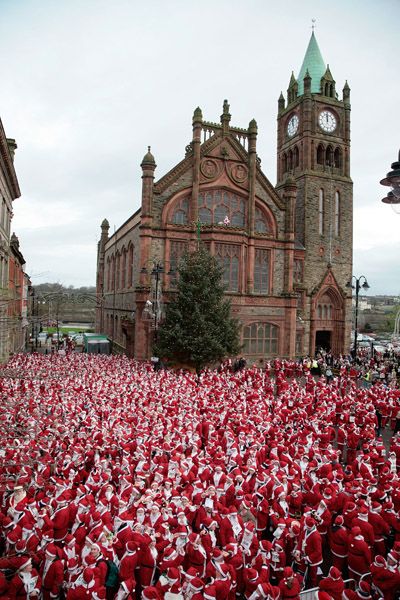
column 314, row 150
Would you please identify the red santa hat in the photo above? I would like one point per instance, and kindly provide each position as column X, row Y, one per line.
column 364, row 590
column 173, row 575
column 88, row 575
column 196, row 584
column 309, row 522
column 217, row 554
column 334, row 573
column 131, row 547
column 22, row 562
column 252, row 575
column 170, row 553
column 72, row 564
column 210, row 592
column 151, row 593
column 51, row 550
column 339, row 520
column 20, row 546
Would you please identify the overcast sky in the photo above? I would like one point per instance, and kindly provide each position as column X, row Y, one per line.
column 86, row 85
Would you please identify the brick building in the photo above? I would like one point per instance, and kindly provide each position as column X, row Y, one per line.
column 9, row 191
column 286, row 250
column 18, row 283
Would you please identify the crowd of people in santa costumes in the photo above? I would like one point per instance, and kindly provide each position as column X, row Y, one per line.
column 119, row 482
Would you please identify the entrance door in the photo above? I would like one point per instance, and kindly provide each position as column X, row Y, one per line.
column 323, row 340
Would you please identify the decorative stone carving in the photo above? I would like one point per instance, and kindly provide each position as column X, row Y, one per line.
column 209, row 168
column 239, row 173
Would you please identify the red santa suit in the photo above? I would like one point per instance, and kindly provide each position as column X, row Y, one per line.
column 380, row 526
column 290, row 585
column 61, row 520
column 333, row 584
column 367, row 530
column 52, row 573
column 338, row 537
column 231, row 527
column 88, row 587
column 312, row 549
column 359, row 558
column 148, row 562
column 26, row 583
column 386, row 580
column 196, row 555
column 129, row 562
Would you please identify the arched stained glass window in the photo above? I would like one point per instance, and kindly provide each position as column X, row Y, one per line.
column 181, row 212
column 221, row 207
column 261, row 271
column 261, row 224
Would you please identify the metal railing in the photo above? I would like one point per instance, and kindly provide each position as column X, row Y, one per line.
column 310, row 593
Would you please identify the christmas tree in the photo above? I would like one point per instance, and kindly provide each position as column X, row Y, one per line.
column 198, row 329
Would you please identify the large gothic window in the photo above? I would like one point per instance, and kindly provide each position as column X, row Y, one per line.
column 117, row 271
column 130, row 266
column 178, row 249
column 181, row 212
column 228, row 256
column 260, row 338
column 220, row 207
column 261, row 224
column 261, row 271
column 123, row 268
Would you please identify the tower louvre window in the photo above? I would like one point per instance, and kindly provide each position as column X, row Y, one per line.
column 337, row 158
column 329, row 156
column 296, row 157
column 320, row 154
column 321, row 202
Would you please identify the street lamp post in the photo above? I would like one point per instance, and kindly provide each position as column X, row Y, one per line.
column 156, row 272
column 357, row 281
column 152, row 308
column 392, row 180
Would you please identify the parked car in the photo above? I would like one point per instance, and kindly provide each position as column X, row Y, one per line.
column 42, row 339
column 78, row 339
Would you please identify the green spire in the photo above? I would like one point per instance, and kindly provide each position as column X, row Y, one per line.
column 314, row 63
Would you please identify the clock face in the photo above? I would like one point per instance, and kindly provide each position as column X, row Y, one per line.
column 327, row 121
column 293, row 125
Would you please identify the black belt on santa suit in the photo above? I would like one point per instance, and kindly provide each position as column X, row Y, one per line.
column 148, row 566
